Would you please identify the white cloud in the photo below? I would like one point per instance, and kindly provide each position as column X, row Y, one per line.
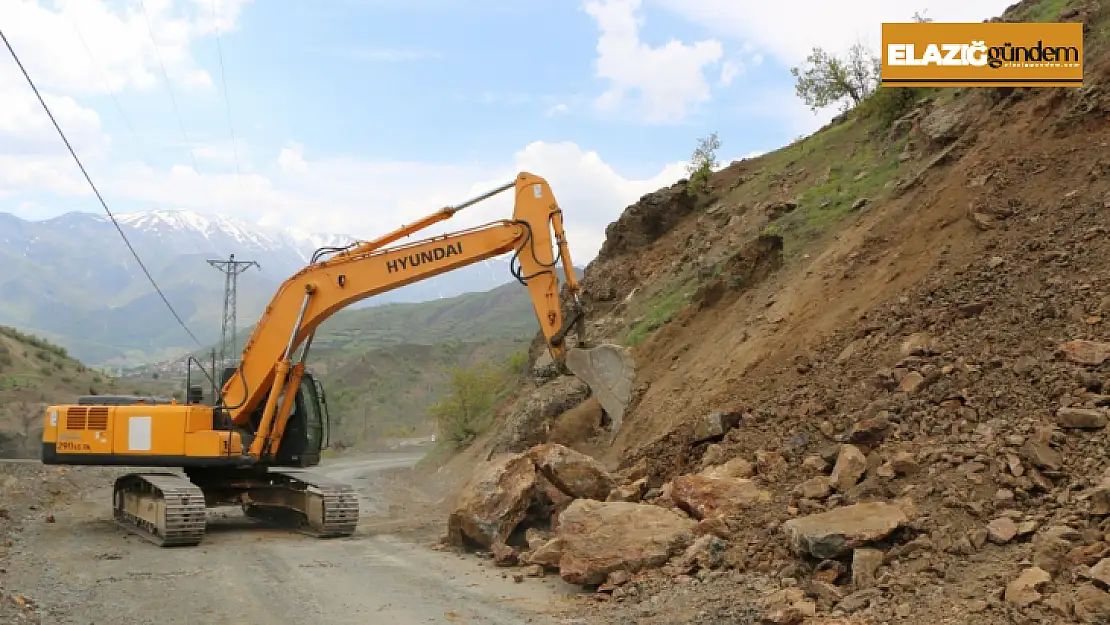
column 291, row 187
column 56, row 44
column 729, row 70
column 558, row 109
column 365, row 198
column 809, row 23
column 77, row 48
column 670, row 78
column 26, row 129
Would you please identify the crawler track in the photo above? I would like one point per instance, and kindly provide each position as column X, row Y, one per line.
column 327, row 508
column 165, row 508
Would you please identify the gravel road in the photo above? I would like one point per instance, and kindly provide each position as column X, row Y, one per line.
column 81, row 569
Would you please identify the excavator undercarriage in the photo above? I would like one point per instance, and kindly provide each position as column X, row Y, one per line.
column 169, row 509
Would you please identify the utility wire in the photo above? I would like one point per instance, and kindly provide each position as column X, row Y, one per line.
column 95, row 190
column 103, row 80
column 227, row 98
column 169, row 87
column 126, row 120
column 108, row 88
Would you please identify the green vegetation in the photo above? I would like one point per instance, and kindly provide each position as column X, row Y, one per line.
column 702, row 164
column 467, row 407
column 386, row 392
column 827, row 79
column 34, row 373
column 858, row 176
column 45, row 347
column 1044, row 11
column 660, row 310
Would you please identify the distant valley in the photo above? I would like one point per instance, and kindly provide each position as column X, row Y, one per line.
column 72, row 279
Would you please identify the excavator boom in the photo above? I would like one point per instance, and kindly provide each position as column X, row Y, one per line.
column 269, row 420
column 312, row 295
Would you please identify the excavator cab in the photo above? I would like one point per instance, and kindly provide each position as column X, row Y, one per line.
column 307, row 433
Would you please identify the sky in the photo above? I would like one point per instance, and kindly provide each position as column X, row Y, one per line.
column 357, row 116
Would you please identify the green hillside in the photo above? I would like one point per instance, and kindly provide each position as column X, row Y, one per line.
column 497, row 314
column 386, row 392
column 35, row 373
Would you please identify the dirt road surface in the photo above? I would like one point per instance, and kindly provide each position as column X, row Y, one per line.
column 82, row 569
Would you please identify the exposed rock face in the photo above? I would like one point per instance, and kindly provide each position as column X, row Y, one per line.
column 574, row 473
column 757, row 259
column 597, row 538
column 495, row 500
column 705, row 497
column 647, row 220
column 527, row 425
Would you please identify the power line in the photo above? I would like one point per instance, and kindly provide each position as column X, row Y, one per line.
column 95, row 190
column 227, row 98
column 169, row 87
column 108, row 88
column 126, row 120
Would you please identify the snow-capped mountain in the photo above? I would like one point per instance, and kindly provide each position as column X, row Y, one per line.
column 223, row 231
column 72, row 277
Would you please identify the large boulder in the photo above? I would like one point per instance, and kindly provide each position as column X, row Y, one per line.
column 597, row 538
column 495, row 500
column 574, row 473
column 837, row 532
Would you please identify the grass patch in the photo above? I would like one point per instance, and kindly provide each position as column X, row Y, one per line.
column 661, row 309
column 43, row 345
column 863, row 174
column 13, row 381
column 1045, row 11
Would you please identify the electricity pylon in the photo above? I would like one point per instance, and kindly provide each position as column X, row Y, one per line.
column 231, row 269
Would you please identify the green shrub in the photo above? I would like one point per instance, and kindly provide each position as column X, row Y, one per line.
column 467, row 408
column 887, row 104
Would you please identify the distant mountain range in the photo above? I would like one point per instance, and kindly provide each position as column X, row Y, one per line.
column 73, row 280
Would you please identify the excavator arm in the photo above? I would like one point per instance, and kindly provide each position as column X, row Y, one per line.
column 267, row 374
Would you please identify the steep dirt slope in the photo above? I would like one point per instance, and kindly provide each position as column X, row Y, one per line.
column 906, row 311
column 869, row 216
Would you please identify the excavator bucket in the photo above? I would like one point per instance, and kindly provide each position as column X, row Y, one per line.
column 608, row 370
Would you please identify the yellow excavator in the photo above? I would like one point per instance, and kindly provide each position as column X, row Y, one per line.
column 268, row 421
